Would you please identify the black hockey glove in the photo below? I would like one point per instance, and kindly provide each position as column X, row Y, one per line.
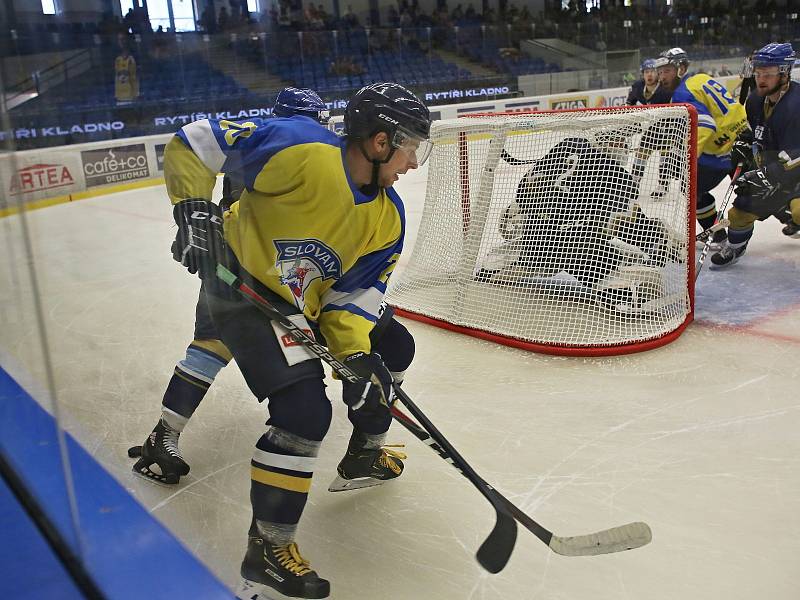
column 200, row 242
column 756, row 184
column 375, row 390
column 742, row 151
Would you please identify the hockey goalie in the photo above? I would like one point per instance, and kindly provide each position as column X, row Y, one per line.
column 576, row 227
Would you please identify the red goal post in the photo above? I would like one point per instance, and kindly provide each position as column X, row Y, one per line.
column 564, row 232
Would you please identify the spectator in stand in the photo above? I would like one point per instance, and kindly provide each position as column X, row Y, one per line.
column 350, row 20
column 126, row 83
column 208, row 21
column 224, row 19
column 393, row 17
column 323, row 16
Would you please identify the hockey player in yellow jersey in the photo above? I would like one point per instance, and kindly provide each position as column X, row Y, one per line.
column 159, row 458
column 318, row 229
column 126, row 81
column 720, row 118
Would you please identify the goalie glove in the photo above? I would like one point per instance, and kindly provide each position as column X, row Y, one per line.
column 374, row 391
column 756, row 184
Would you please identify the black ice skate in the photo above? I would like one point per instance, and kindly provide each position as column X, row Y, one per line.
column 365, row 467
column 278, row 572
column 791, row 229
column 160, row 459
column 727, row 256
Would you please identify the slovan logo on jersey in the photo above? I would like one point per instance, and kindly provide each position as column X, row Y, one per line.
column 302, row 261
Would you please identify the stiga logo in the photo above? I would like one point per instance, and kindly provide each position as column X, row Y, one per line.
column 569, row 103
column 40, row 177
column 113, row 165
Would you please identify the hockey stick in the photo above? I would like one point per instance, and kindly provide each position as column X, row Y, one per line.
column 496, row 549
column 616, row 539
column 721, row 224
column 720, row 214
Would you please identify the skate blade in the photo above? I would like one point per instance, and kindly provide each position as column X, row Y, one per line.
column 340, row 484
column 251, row 590
column 714, row 267
column 148, row 475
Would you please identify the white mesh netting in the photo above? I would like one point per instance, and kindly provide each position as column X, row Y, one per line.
column 566, row 229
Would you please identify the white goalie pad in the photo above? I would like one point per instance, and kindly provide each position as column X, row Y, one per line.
column 512, row 222
column 635, row 289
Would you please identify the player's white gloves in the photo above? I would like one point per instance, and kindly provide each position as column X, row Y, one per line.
column 375, row 389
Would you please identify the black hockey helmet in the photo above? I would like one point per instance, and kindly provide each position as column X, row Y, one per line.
column 676, row 57
column 395, row 110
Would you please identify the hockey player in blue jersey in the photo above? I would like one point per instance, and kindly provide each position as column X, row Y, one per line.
column 772, row 153
column 647, row 90
column 720, row 119
column 318, row 230
column 160, row 459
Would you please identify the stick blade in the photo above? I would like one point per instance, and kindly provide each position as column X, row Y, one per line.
column 616, row 539
column 497, row 548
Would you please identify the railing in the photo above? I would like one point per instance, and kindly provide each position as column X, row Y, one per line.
column 41, row 80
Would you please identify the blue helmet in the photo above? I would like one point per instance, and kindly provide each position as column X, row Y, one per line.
column 300, row 101
column 648, row 63
column 774, row 55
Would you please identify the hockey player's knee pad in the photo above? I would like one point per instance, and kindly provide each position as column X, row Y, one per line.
column 794, row 208
column 203, row 362
column 293, row 444
column 741, row 219
column 302, row 409
column 396, row 347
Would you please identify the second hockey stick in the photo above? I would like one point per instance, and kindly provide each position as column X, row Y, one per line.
column 720, row 215
column 496, row 549
column 616, row 539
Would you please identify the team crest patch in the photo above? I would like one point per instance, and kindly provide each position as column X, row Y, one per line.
column 302, row 261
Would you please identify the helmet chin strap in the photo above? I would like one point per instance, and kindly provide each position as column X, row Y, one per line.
column 372, row 187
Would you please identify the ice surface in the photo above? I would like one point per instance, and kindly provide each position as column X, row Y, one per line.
column 699, row 439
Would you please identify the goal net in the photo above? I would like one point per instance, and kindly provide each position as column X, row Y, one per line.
column 568, row 232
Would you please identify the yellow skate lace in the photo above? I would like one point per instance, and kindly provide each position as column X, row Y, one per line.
column 387, row 456
column 289, row 558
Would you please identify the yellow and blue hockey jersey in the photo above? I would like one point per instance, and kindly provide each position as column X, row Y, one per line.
column 720, row 118
column 301, row 227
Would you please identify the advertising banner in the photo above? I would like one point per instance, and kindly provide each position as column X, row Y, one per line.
column 569, row 103
column 117, row 164
column 40, row 175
